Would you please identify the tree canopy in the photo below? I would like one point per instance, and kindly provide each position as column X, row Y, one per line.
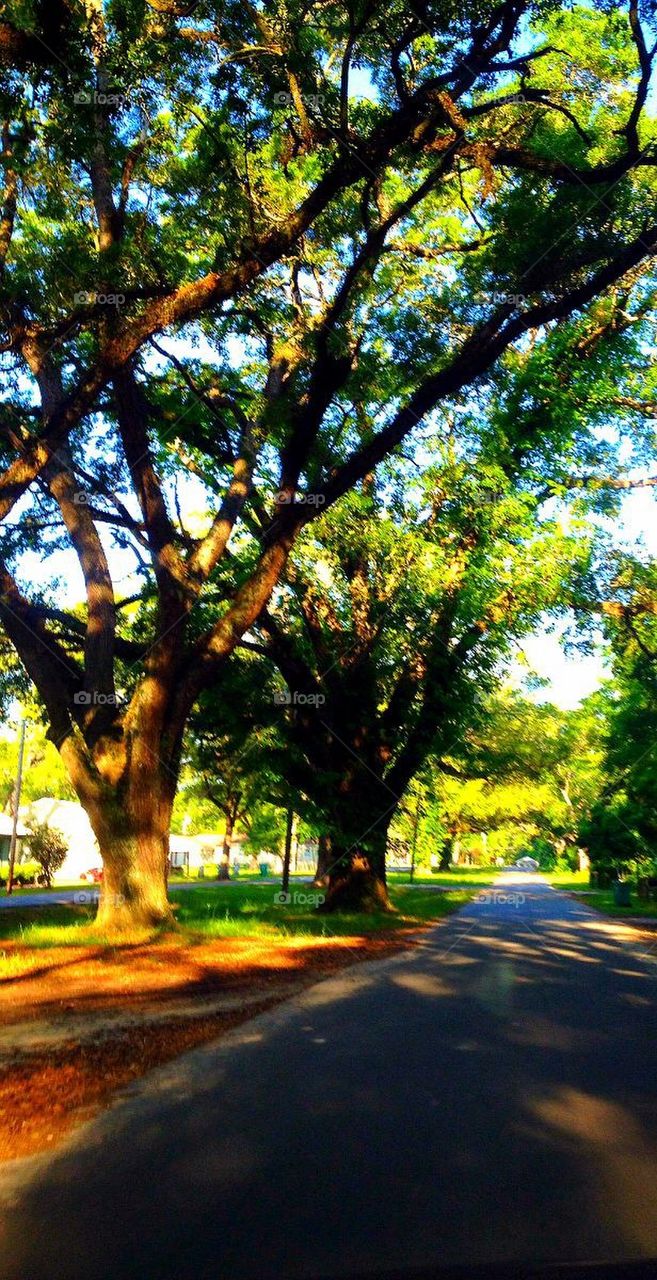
column 248, row 254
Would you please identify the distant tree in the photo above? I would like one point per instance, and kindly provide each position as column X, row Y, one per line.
column 398, row 617
column 230, row 752
column 622, row 827
column 522, row 777
column 49, row 848
column 43, row 771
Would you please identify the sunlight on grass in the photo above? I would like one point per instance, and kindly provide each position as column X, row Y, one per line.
column 12, row 964
column 60, row 926
column 478, row 877
column 603, row 900
column 235, row 911
column 222, row 911
column 567, row 879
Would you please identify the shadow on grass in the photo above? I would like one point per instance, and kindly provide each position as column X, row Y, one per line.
column 168, row 970
column 207, row 914
column 223, row 911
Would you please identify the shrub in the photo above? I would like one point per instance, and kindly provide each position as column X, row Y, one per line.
column 24, row 873
column 48, row 848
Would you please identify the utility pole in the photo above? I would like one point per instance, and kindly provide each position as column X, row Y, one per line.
column 294, row 859
column 289, row 827
column 289, row 832
column 414, row 844
column 17, row 800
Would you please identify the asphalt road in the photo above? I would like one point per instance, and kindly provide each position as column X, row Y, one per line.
column 489, row 1096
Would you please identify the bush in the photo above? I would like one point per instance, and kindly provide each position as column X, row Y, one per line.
column 24, row 873
column 27, row 872
column 49, row 849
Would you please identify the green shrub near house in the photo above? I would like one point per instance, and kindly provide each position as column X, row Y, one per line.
column 24, row 872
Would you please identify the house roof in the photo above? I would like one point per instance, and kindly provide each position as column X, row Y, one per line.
column 217, row 837
column 6, row 825
column 181, row 844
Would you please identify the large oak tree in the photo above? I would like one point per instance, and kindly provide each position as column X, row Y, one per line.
column 225, row 231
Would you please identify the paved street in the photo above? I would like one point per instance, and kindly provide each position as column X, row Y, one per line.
column 491, row 1095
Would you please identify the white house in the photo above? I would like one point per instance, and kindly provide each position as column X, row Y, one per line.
column 83, row 857
column 192, row 852
column 6, row 826
column 70, row 819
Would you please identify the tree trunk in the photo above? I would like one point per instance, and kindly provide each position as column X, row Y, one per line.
column 224, row 865
column 131, row 819
column 357, row 876
column 324, row 859
column 445, row 855
column 135, row 854
column 287, row 853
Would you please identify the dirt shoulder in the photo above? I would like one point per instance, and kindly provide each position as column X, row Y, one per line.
column 77, row 1024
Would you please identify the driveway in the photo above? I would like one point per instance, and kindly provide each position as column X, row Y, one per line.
column 489, row 1096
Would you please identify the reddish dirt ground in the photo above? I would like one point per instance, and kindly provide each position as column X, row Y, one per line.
column 44, row 1091
column 94, row 977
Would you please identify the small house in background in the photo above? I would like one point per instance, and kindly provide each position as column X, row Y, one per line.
column 69, row 818
column 182, row 854
column 6, row 826
column 188, row 854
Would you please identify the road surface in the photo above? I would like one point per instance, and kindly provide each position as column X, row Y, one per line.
column 489, row 1096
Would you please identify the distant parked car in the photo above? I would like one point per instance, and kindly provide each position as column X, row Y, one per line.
column 95, row 874
column 526, row 864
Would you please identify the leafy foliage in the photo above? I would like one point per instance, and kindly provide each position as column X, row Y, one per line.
column 255, row 261
column 48, row 848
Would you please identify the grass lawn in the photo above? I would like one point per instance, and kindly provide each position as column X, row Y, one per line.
column 224, row 911
column 214, row 910
column 472, row 877
column 56, row 887
column 601, row 899
column 568, row 879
